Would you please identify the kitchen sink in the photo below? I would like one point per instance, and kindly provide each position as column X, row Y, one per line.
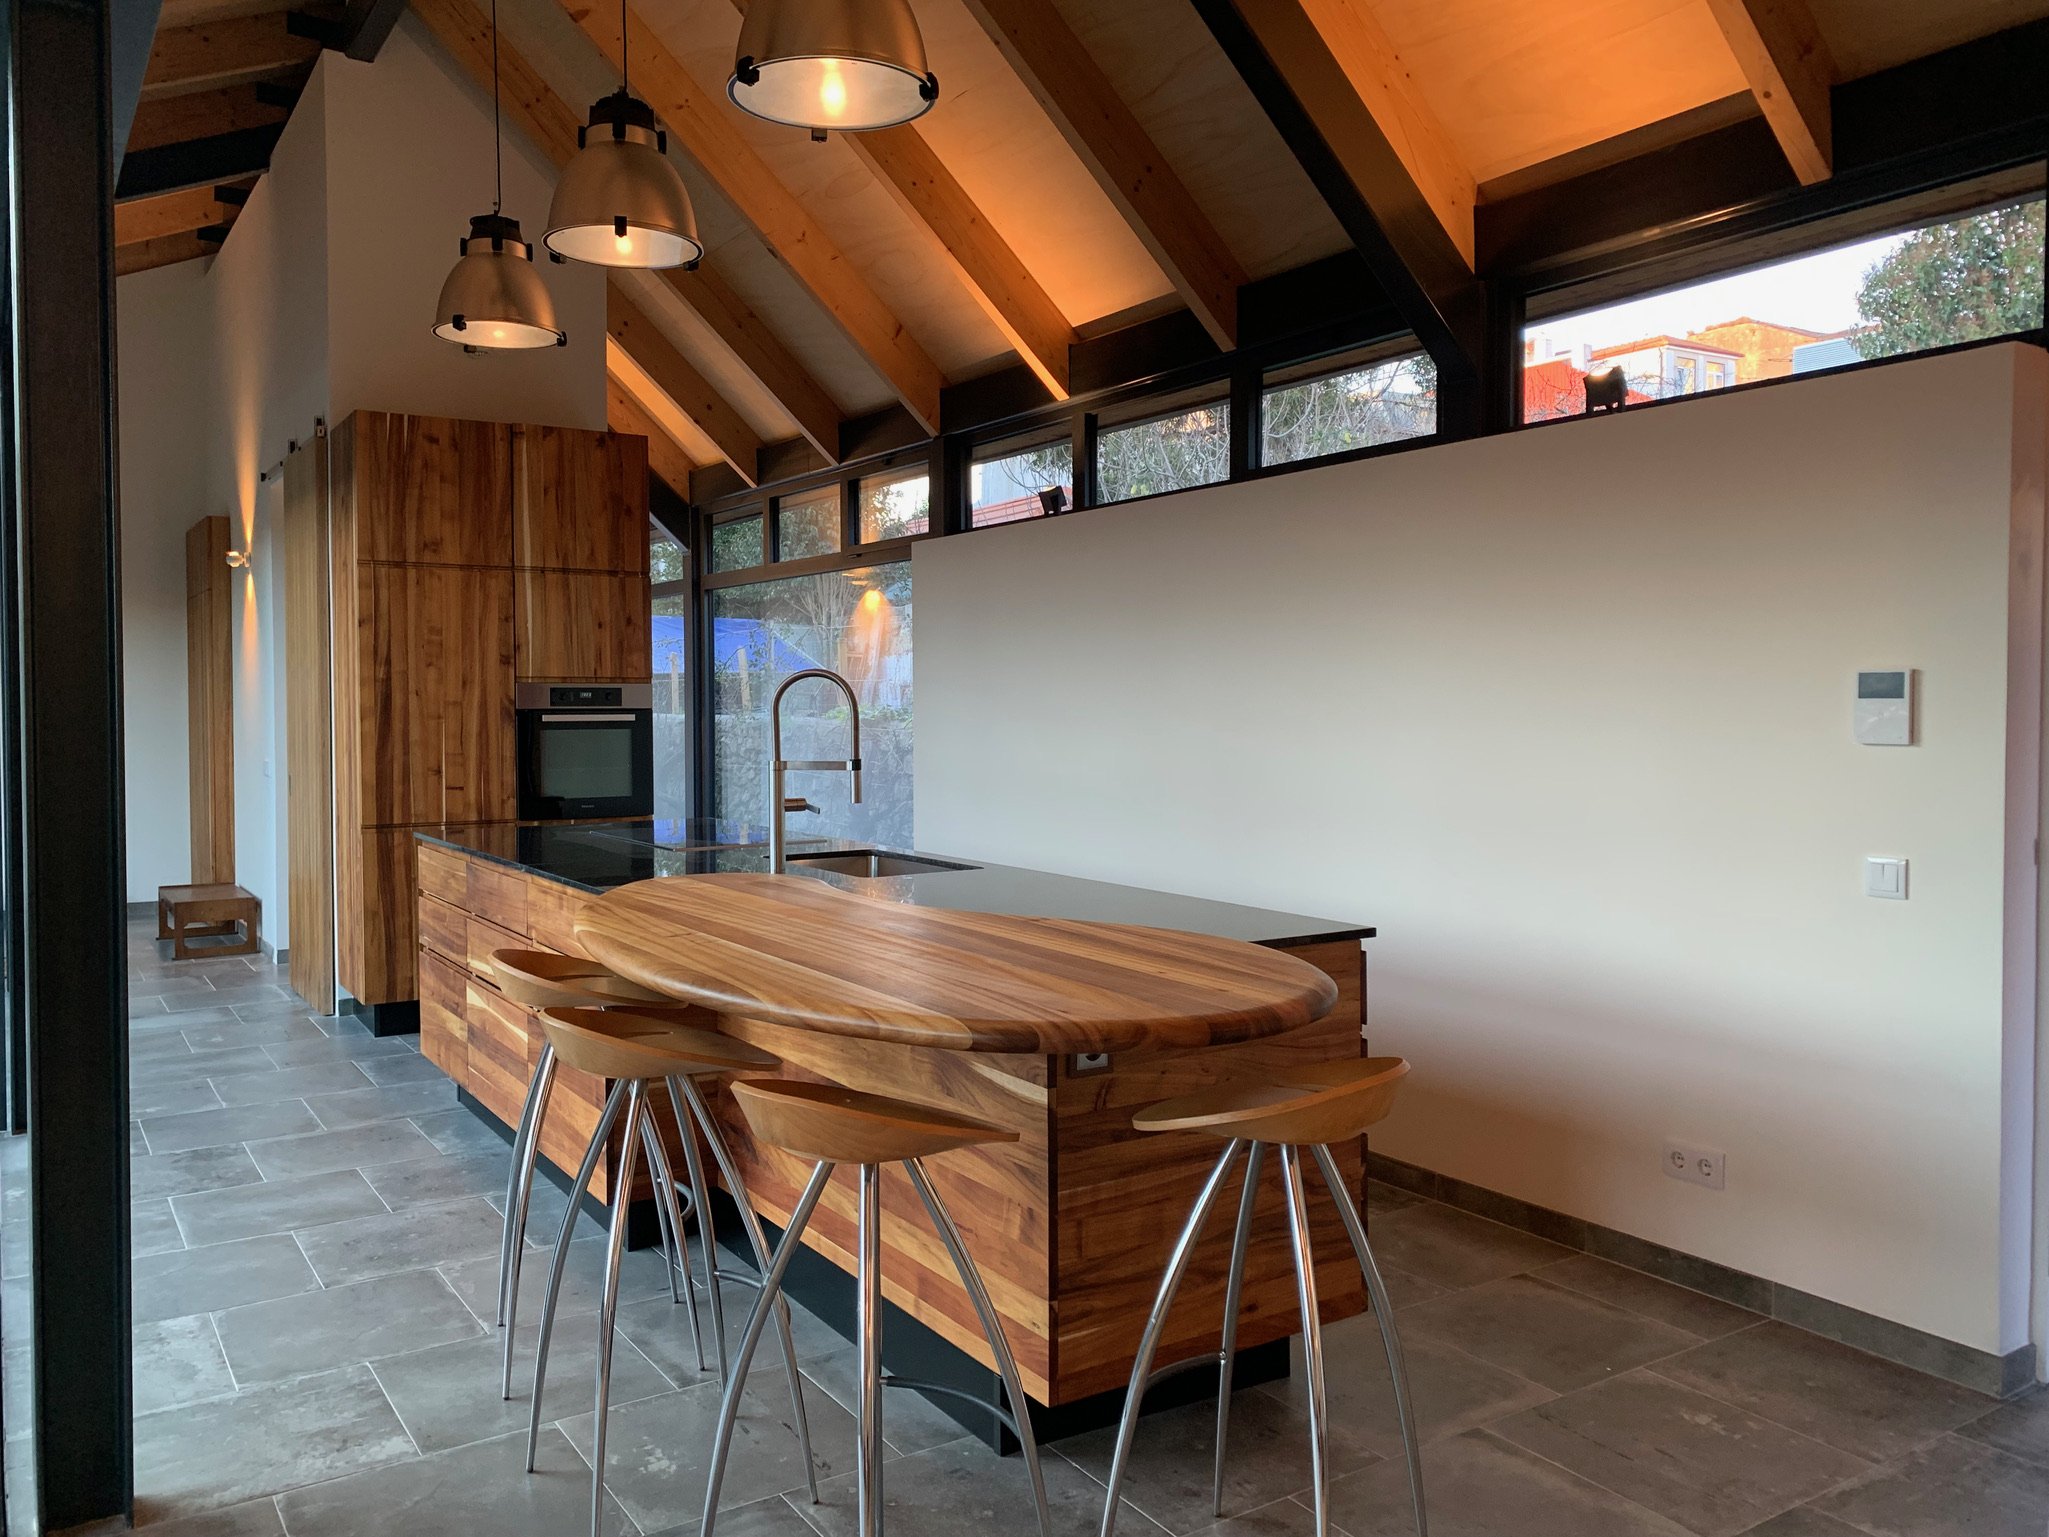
column 870, row 864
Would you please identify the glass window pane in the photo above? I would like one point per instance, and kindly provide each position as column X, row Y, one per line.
column 736, row 545
column 1005, row 487
column 667, row 561
column 895, row 506
column 1169, row 453
column 808, row 525
column 1353, row 408
column 671, row 627
column 1963, row 280
column 858, row 623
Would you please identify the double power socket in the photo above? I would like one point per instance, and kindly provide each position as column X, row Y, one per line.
column 1696, row 1165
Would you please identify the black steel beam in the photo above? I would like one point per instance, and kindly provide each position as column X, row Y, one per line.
column 64, row 802
column 1971, row 111
column 359, row 32
column 1305, row 94
column 196, row 162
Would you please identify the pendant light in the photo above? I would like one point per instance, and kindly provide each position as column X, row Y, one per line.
column 832, row 64
column 620, row 203
column 494, row 299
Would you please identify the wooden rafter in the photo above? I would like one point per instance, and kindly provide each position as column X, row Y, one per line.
column 665, row 456
column 231, row 51
column 201, row 115
column 1365, row 53
column 464, row 32
column 705, row 130
column 1054, row 66
column 688, row 390
column 175, row 227
column 1786, row 61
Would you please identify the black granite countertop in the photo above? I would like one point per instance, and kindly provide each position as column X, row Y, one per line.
column 597, row 857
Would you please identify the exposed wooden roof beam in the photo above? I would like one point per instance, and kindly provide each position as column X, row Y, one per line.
column 201, row 115
column 691, row 393
column 197, row 162
column 1791, row 73
column 465, row 32
column 706, row 131
column 1055, row 67
column 1367, row 55
column 665, row 456
column 232, row 51
column 178, row 226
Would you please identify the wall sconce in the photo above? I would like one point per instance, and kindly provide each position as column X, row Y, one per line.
column 239, row 559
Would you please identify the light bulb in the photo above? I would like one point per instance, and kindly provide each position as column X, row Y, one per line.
column 832, row 91
column 623, row 244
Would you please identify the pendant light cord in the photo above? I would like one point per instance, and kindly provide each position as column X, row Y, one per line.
column 625, row 77
column 497, row 131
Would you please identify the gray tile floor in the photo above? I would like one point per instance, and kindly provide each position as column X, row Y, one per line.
column 315, row 1236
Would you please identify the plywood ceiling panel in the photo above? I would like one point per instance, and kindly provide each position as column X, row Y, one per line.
column 1516, row 82
column 689, row 437
column 1869, row 35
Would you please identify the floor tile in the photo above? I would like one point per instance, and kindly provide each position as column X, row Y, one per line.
column 237, row 1031
column 150, row 1046
column 1946, row 1489
column 146, row 1099
column 1695, row 1312
column 1803, row 1521
column 276, row 1206
column 1713, row 1469
column 152, row 1228
column 288, row 1083
column 1283, row 1518
column 1382, row 1198
column 419, row 1237
column 457, row 1132
column 258, row 1518
column 662, row 1330
column 401, row 1069
column 640, row 1275
column 317, row 1331
column 448, row 1395
column 910, row 1421
column 362, row 1106
column 436, row 1177
column 225, row 993
column 227, row 1127
column 1451, row 1391
column 772, row 1517
column 227, row 1450
column 323, row 1152
column 1454, row 1249
column 2021, row 1427
column 1852, row 1401
column 323, row 1049
column 204, row 1168
column 1560, row 1338
column 658, row 1450
column 223, row 1275
column 963, row 1486
column 1477, row 1485
column 178, row 1361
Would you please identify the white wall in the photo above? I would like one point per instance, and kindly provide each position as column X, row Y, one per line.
column 1566, row 714
column 165, row 340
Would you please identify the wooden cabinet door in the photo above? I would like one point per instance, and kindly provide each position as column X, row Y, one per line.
column 583, row 627
column 579, row 500
column 457, row 707
column 428, row 489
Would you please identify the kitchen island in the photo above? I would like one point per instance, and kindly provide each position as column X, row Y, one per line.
column 1070, row 1224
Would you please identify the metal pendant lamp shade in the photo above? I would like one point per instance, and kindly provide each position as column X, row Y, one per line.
column 494, row 298
column 620, row 203
column 845, row 65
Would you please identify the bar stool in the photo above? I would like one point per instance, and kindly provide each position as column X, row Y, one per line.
column 833, row 1126
column 1313, row 1107
column 636, row 1050
column 541, row 979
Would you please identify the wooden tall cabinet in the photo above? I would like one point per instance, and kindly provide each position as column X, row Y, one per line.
column 466, row 556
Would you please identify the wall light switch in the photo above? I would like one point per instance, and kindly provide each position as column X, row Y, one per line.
column 1885, row 877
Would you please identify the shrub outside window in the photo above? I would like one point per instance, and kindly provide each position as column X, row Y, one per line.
column 1008, row 485
column 1164, row 453
column 1309, row 412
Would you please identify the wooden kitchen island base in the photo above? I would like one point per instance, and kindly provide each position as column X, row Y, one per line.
column 1070, row 1225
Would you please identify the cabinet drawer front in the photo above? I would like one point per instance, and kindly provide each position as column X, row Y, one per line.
column 502, row 1051
column 444, row 875
column 444, row 929
column 498, row 895
column 482, row 938
column 444, row 1022
column 551, row 915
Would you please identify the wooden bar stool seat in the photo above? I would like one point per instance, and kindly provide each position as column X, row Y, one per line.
column 831, row 1126
column 1308, row 1108
column 541, row 979
column 636, row 1047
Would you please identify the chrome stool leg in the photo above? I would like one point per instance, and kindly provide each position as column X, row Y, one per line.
column 1234, row 1294
column 707, row 1237
column 723, row 1157
column 1006, row 1365
column 757, row 1320
column 1383, row 1313
column 606, row 1120
column 608, row 1309
column 868, row 1341
column 669, row 1206
column 666, row 1205
column 518, row 1199
column 1312, row 1333
column 1149, row 1342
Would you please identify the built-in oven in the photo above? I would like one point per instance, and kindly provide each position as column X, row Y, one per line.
column 586, row 750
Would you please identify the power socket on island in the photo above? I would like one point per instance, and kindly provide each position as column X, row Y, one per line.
column 1696, row 1165
column 1088, row 1062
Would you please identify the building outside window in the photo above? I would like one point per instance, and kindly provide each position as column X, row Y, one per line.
column 1007, row 483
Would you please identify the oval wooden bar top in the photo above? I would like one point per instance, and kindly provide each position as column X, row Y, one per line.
column 793, row 950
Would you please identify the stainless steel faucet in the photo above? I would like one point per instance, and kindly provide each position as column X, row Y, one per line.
column 778, row 766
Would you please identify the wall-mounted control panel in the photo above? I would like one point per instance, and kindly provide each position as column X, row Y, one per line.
column 1885, row 708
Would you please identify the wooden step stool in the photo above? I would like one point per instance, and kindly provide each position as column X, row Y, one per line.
column 207, row 912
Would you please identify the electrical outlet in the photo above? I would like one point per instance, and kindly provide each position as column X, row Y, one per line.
column 1088, row 1062
column 1696, row 1165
